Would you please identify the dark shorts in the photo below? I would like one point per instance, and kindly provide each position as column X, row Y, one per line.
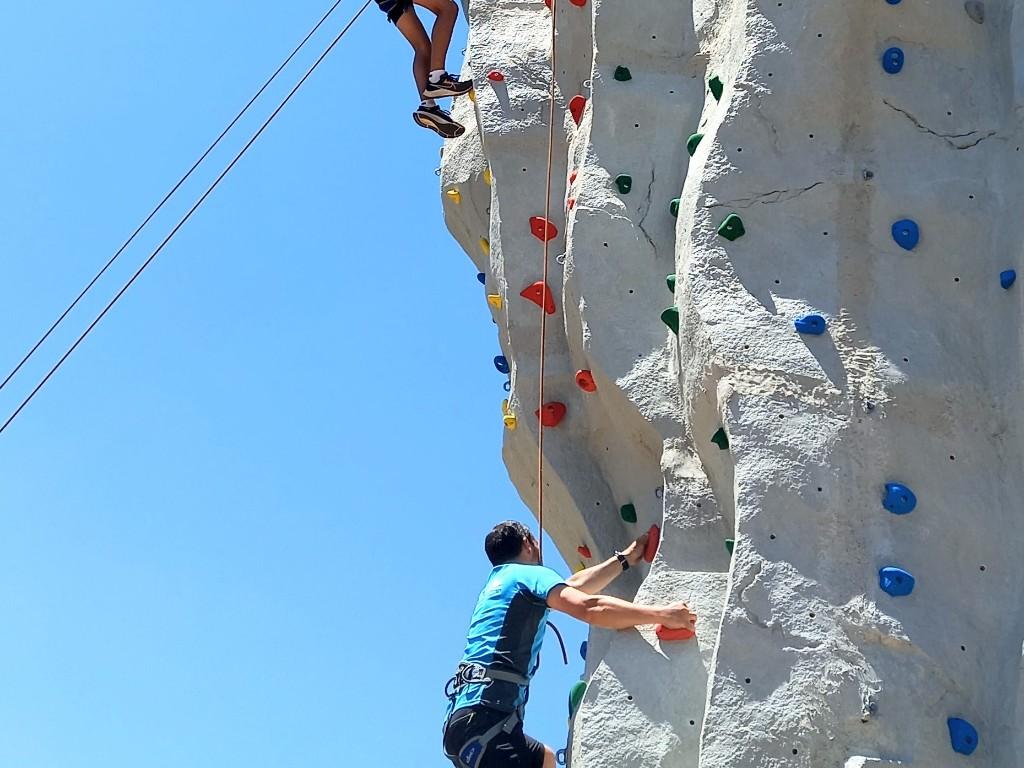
column 394, row 8
column 507, row 750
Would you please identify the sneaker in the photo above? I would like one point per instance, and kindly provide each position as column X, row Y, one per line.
column 447, row 86
column 439, row 121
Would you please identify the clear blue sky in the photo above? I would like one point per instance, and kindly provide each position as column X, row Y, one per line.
column 243, row 525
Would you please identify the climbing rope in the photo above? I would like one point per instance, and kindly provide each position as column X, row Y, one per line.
column 543, row 312
column 184, row 219
column 202, row 158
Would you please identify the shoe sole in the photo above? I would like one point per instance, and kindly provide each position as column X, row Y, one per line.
column 443, row 93
column 444, row 130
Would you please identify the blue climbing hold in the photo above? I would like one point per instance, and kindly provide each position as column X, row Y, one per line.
column 962, row 735
column 501, row 363
column 899, row 499
column 895, row 581
column 482, row 278
column 893, row 2
column 583, row 650
column 813, row 325
column 1008, row 278
column 906, row 233
column 892, row 60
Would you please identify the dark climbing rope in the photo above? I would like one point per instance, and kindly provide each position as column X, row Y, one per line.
column 167, row 197
column 185, row 219
column 561, row 642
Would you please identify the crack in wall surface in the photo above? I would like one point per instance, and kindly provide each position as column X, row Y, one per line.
column 947, row 137
column 647, row 202
column 765, row 198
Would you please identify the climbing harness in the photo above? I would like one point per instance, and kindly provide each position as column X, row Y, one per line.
column 471, row 753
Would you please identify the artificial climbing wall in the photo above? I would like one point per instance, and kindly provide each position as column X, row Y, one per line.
column 820, row 409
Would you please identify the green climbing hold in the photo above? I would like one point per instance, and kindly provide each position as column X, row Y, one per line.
column 721, row 439
column 579, row 688
column 624, row 183
column 622, row 74
column 674, row 207
column 730, row 545
column 732, row 227
column 715, row 84
column 628, row 513
column 671, row 281
column 671, row 318
column 693, row 142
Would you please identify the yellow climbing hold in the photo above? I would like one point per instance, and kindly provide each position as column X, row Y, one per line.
column 454, row 195
column 507, row 416
column 485, row 246
column 487, row 177
column 579, row 567
column 495, row 300
column 472, row 95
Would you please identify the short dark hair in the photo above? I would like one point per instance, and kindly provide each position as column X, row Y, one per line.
column 505, row 542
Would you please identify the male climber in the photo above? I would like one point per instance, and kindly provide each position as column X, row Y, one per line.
column 428, row 64
column 485, row 721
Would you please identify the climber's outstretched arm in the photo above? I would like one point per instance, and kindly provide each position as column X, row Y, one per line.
column 594, row 579
column 612, row 613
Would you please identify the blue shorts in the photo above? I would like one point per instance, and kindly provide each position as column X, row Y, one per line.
column 394, row 8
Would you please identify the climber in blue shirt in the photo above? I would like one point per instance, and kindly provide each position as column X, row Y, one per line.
column 485, row 722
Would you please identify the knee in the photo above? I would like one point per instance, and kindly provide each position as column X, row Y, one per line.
column 422, row 49
column 450, row 10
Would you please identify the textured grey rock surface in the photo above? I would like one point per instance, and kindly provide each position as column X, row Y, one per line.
column 801, row 659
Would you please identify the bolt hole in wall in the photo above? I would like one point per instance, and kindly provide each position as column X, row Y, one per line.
column 772, row 537
column 963, row 647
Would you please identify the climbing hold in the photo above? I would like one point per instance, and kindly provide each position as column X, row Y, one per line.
column 715, row 84
column 624, row 183
column 485, row 246
column 572, row 177
column 628, row 513
column 584, row 552
column 472, row 95
column 488, row 178
column 732, row 228
column 622, row 74
column 670, row 281
column 507, row 416
column 543, row 229
column 578, row 3
column 540, row 295
column 976, row 10
column 893, row 2
column 906, row 233
column 482, row 278
column 579, row 567
column 576, row 106
column 653, row 540
column 730, row 545
column 892, row 60
column 667, row 635
column 495, row 76
column 571, row 203
column 585, row 381
column 495, row 301
column 899, row 499
column 551, row 414
column 721, row 439
column 501, row 363
column 673, row 207
column 962, row 735
column 693, row 142
column 670, row 317
column 812, row 325
column 583, row 650
column 454, row 195
column 896, row 581
column 576, row 696
column 1008, row 278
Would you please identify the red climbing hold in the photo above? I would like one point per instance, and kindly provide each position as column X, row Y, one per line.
column 653, row 540
column 542, row 228
column 572, row 203
column 551, row 414
column 667, row 635
column 572, row 177
column 585, row 381
column 540, row 295
column 495, row 76
column 576, row 106
column 584, row 552
column 578, row 3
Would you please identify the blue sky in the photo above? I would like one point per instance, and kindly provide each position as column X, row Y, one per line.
column 243, row 525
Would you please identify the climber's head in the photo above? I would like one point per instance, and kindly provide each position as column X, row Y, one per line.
column 511, row 542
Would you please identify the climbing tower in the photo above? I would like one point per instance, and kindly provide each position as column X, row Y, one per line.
column 783, row 327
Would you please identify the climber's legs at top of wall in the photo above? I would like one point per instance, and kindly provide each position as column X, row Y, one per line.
column 428, row 65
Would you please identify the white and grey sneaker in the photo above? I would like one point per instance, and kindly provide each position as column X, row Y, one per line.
column 439, row 121
column 447, row 86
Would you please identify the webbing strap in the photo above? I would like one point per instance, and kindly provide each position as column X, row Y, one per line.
column 472, row 751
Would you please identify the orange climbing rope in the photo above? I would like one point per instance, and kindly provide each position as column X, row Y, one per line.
column 543, row 312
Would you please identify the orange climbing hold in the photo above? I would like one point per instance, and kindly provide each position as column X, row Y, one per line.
column 667, row 635
column 653, row 540
column 576, row 106
column 542, row 228
column 584, row 552
column 585, row 381
column 540, row 295
column 572, row 177
column 495, row 76
column 571, row 203
column 551, row 414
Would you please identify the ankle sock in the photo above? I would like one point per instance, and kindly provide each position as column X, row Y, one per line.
column 436, row 75
column 428, row 103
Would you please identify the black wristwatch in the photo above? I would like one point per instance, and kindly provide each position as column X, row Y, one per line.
column 622, row 561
